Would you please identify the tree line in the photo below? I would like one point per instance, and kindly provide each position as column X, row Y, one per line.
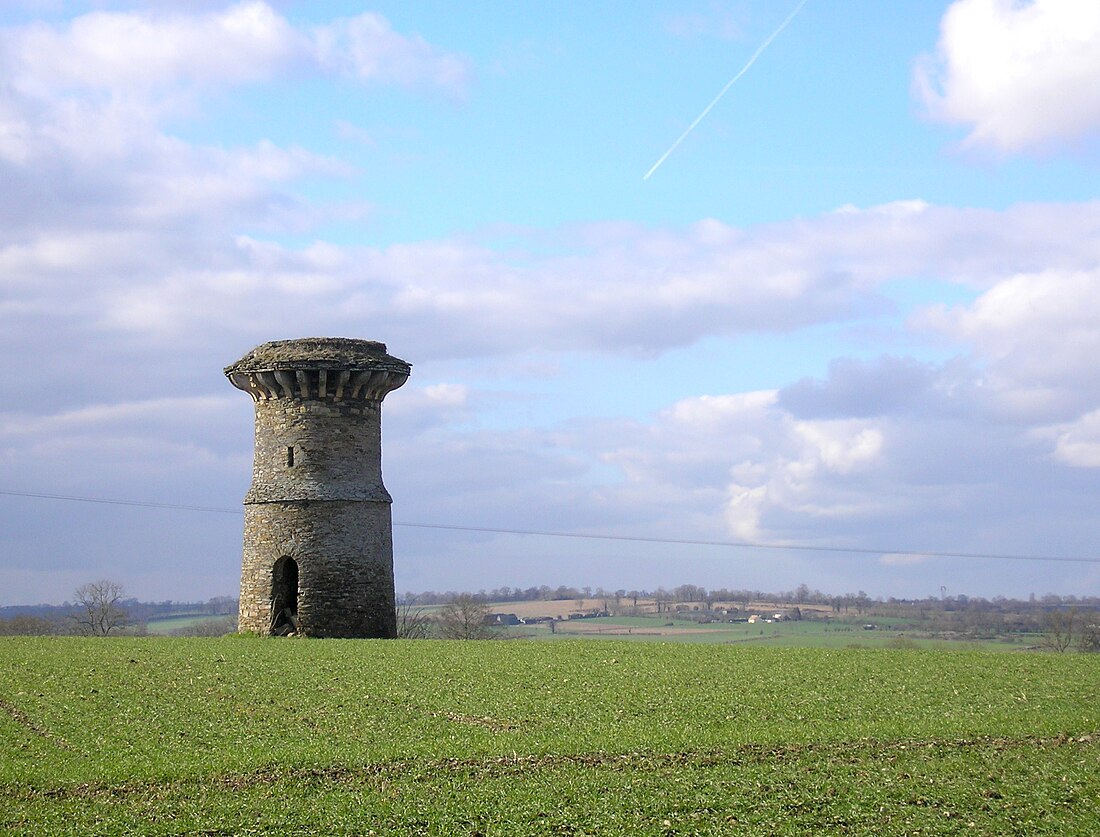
column 802, row 595
column 101, row 608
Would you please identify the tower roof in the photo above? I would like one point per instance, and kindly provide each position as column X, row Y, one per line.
column 334, row 353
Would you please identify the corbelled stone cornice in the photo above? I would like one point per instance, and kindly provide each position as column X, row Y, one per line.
column 333, row 369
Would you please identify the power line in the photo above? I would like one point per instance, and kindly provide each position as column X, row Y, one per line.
column 755, row 545
column 105, row 501
column 855, row 550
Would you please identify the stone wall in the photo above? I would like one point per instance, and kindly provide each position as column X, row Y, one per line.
column 315, row 450
column 344, row 554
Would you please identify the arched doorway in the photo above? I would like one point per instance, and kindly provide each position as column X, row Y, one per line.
column 284, row 596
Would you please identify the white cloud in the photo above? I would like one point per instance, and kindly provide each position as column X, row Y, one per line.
column 1037, row 336
column 134, row 265
column 894, row 452
column 83, row 107
column 136, row 415
column 804, row 469
column 949, row 476
column 1023, row 75
column 622, row 289
column 430, row 407
column 83, row 147
column 137, row 53
column 141, row 267
column 154, row 447
column 1078, row 443
column 733, row 464
column 839, row 446
column 365, row 47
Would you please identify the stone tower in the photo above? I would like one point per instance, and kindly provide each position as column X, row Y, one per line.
column 318, row 549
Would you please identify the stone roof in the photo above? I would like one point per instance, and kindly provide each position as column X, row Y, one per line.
column 318, row 353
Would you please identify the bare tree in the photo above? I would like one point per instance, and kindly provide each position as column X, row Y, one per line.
column 1058, row 628
column 98, row 609
column 464, row 617
column 412, row 621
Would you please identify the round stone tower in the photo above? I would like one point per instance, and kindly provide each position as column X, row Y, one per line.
column 318, row 549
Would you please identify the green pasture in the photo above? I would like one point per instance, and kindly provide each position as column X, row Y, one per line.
column 248, row 736
column 838, row 633
column 168, row 624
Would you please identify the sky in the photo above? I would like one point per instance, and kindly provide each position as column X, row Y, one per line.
column 846, row 332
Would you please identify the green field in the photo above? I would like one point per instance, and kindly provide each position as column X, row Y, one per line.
column 167, row 624
column 840, row 633
column 247, row 736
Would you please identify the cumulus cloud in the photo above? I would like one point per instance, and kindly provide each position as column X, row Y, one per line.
column 1077, row 443
column 895, row 452
column 83, row 143
column 952, row 476
column 806, row 472
column 183, row 291
column 1022, row 75
column 134, row 265
column 83, row 110
column 629, row 288
column 139, row 52
column 366, row 47
column 109, row 215
column 735, row 461
column 1036, row 334
column 901, row 453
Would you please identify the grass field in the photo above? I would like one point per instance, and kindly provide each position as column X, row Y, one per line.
column 166, row 625
column 247, row 736
column 802, row 634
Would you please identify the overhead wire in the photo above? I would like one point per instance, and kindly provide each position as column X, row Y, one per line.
column 850, row 550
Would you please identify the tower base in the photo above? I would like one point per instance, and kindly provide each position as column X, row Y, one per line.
column 318, row 568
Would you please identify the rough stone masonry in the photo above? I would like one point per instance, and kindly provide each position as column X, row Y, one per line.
column 318, row 548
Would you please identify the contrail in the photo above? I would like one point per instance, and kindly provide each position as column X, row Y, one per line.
column 729, row 84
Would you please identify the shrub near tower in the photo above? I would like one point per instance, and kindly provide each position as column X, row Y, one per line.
column 318, row 548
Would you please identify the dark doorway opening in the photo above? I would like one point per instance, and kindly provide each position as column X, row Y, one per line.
column 284, row 597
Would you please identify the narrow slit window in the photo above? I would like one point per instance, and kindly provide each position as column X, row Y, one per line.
column 290, row 457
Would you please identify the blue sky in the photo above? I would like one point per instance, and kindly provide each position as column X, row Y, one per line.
column 855, row 308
